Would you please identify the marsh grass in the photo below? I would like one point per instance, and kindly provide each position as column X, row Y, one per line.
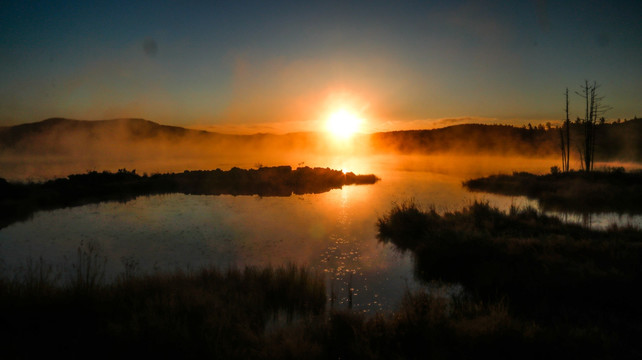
column 573, row 282
column 534, row 288
column 180, row 314
column 89, row 268
column 433, row 327
column 262, row 313
column 605, row 190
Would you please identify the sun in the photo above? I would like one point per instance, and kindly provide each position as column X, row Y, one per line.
column 343, row 123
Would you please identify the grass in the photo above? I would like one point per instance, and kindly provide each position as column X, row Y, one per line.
column 205, row 312
column 611, row 190
column 281, row 313
column 567, row 279
column 534, row 288
column 426, row 326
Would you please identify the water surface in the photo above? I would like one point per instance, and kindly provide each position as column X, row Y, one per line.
column 333, row 232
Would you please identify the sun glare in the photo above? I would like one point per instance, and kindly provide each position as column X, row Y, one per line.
column 343, row 123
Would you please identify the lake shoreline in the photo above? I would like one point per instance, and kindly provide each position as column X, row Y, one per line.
column 613, row 190
column 19, row 201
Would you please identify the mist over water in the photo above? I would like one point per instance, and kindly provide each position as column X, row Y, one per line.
column 332, row 232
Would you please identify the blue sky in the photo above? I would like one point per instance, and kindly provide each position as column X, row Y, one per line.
column 284, row 66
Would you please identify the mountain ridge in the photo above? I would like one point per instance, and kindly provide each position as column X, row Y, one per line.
column 57, row 135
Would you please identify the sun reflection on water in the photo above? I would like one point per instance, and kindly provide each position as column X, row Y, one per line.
column 343, row 261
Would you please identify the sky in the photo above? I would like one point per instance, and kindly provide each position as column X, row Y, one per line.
column 281, row 66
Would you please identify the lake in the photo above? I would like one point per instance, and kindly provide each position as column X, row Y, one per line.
column 333, row 232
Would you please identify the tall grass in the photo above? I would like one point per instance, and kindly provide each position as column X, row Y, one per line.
column 89, row 268
column 181, row 314
column 534, row 287
column 607, row 190
column 209, row 313
column 565, row 278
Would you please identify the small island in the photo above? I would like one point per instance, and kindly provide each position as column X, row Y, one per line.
column 610, row 190
column 20, row 200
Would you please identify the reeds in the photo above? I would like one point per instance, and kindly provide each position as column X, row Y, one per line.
column 534, row 287
column 182, row 313
column 608, row 190
column 565, row 278
column 209, row 313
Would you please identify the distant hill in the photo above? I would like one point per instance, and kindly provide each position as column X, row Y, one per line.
column 55, row 131
column 58, row 136
column 617, row 141
column 614, row 141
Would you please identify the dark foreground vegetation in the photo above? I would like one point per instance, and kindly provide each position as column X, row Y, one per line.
column 256, row 313
column 576, row 191
column 564, row 290
column 18, row 201
column 533, row 288
column 207, row 312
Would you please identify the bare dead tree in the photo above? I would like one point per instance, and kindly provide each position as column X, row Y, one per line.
column 563, row 148
column 567, row 124
column 565, row 139
column 594, row 108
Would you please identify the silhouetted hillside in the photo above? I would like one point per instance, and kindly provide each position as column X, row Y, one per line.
column 57, row 135
column 129, row 137
column 468, row 138
column 138, row 128
column 617, row 141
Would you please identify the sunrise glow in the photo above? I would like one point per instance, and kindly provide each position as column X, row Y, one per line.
column 343, row 124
